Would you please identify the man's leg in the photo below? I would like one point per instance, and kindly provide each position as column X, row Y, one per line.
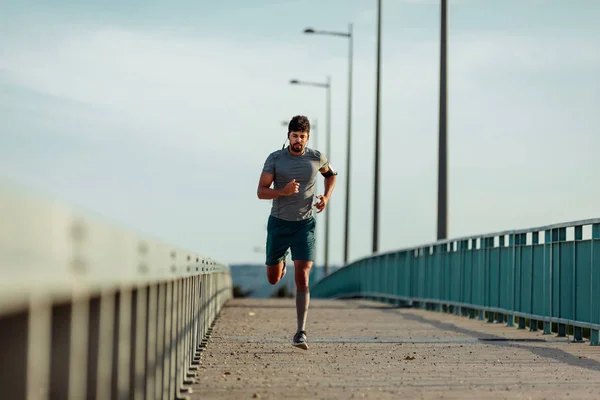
column 277, row 250
column 275, row 272
column 303, row 253
column 301, row 273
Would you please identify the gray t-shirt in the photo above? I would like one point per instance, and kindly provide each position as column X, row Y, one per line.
column 303, row 168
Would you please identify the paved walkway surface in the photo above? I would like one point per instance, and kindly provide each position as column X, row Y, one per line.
column 360, row 349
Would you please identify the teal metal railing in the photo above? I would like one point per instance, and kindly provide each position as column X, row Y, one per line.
column 88, row 310
column 545, row 278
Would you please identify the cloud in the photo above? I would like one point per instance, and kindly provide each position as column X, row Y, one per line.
column 166, row 130
column 178, row 87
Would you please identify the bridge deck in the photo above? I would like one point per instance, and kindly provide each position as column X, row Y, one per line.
column 361, row 349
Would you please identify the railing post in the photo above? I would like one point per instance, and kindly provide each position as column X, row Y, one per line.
column 518, row 241
column 559, row 235
column 14, row 333
column 511, row 243
column 515, row 241
column 489, row 243
column 463, row 248
column 473, row 266
column 500, row 319
column 548, row 281
column 535, row 239
column 577, row 330
column 594, row 309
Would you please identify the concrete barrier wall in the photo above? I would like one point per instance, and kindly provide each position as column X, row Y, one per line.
column 89, row 310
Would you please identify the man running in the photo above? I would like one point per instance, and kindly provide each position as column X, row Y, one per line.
column 291, row 224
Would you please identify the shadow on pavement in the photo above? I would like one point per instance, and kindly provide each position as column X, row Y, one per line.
column 495, row 340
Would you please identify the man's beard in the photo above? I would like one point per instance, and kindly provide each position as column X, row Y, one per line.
column 297, row 147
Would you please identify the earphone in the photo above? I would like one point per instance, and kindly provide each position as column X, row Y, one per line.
column 283, row 146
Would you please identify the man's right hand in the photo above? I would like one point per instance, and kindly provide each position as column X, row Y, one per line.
column 290, row 188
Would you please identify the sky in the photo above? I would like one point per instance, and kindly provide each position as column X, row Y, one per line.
column 158, row 116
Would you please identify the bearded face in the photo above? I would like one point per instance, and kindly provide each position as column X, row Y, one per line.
column 298, row 141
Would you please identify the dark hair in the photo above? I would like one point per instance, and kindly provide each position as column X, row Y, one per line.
column 299, row 123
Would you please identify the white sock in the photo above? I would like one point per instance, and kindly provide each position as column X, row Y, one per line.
column 302, row 300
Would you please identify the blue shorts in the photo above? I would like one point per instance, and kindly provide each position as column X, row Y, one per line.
column 282, row 235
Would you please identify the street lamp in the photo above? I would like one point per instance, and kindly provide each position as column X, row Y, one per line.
column 326, row 85
column 442, row 216
column 350, row 36
column 377, row 107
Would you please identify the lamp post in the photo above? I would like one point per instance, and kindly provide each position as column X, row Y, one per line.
column 350, row 37
column 377, row 107
column 442, row 210
column 326, row 85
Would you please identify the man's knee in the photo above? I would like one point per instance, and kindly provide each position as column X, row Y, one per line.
column 301, row 276
column 273, row 279
column 302, row 266
column 274, row 273
column 302, row 287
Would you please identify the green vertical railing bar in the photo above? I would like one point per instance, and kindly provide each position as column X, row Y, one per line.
column 558, row 273
column 475, row 284
column 378, row 282
column 392, row 278
column 540, row 292
column 582, row 274
column 567, row 270
column 527, row 279
column 445, row 265
column 381, row 284
column 410, row 265
column 506, row 277
column 411, row 289
column 451, row 272
column 547, row 281
column 595, row 284
column 518, row 268
column 489, row 276
column 422, row 271
column 455, row 270
column 398, row 278
column 577, row 330
column 434, row 268
column 463, row 248
column 479, row 278
column 389, row 279
column 555, row 254
column 515, row 243
column 468, row 276
column 494, row 268
column 534, row 276
column 406, row 264
column 444, row 272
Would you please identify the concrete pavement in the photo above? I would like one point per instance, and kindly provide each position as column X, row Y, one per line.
column 363, row 349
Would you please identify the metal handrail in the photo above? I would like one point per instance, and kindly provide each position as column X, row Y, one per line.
column 515, row 274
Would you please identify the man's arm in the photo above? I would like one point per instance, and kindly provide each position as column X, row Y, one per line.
column 330, row 178
column 264, row 191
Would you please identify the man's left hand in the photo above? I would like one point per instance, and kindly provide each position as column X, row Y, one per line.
column 323, row 200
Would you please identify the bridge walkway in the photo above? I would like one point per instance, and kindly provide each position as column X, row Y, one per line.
column 368, row 350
